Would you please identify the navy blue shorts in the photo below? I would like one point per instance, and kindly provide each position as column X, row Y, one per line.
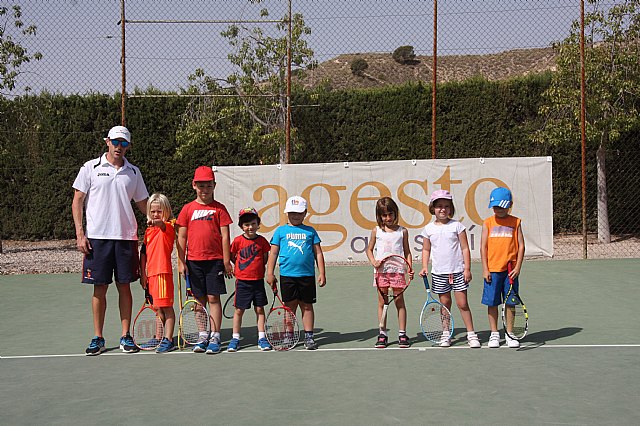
column 206, row 277
column 496, row 291
column 248, row 292
column 109, row 258
column 298, row 288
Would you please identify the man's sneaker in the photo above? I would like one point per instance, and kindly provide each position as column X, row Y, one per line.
column 264, row 344
column 473, row 341
column 310, row 344
column 445, row 342
column 494, row 340
column 233, row 345
column 96, row 347
column 403, row 341
column 382, row 341
column 512, row 343
column 214, row 346
column 165, row 346
column 201, row 346
column 127, row 345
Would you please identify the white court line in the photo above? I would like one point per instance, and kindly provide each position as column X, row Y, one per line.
column 419, row 349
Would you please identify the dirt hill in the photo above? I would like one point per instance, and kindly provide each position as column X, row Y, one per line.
column 383, row 70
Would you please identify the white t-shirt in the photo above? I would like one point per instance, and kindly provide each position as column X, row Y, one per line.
column 446, row 254
column 388, row 243
column 109, row 192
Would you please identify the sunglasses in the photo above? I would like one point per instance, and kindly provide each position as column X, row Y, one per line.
column 116, row 142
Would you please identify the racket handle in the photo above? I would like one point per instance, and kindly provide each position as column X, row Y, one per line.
column 383, row 317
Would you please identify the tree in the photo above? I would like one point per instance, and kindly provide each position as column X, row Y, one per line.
column 612, row 69
column 260, row 82
column 12, row 54
column 358, row 66
column 404, row 55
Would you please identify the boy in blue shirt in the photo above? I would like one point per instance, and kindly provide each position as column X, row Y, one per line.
column 296, row 248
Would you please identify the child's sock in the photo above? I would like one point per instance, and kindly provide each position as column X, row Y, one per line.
column 216, row 335
column 236, row 336
column 261, row 334
column 401, row 333
column 308, row 334
column 383, row 332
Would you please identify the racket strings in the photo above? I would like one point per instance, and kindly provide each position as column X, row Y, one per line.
column 283, row 331
column 515, row 320
column 195, row 322
column 436, row 322
column 148, row 329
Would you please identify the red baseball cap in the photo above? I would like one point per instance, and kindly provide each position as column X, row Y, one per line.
column 204, row 174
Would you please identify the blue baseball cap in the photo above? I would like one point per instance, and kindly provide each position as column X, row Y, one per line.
column 500, row 197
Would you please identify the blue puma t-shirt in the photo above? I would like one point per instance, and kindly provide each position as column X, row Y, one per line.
column 296, row 256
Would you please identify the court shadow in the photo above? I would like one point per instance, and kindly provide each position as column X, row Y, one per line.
column 323, row 337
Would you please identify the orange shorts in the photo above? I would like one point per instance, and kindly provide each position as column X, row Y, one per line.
column 161, row 290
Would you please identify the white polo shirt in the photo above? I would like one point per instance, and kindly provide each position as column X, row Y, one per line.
column 109, row 214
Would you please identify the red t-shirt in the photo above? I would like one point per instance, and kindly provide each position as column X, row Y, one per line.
column 249, row 254
column 158, row 247
column 203, row 223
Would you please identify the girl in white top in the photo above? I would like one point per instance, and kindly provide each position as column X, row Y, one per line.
column 389, row 238
column 445, row 243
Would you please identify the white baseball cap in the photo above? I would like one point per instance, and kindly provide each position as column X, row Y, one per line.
column 119, row 132
column 295, row 204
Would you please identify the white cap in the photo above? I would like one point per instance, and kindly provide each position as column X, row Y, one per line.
column 295, row 204
column 119, row 132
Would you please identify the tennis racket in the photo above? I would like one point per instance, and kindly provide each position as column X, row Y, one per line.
column 435, row 319
column 228, row 310
column 391, row 280
column 195, row 321
column 148, row 329
column 283, row 330
column 515, row 318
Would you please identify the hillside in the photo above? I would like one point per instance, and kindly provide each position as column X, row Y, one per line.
column 383, row 70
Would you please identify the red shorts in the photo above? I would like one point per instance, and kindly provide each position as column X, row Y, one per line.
column 161, row 290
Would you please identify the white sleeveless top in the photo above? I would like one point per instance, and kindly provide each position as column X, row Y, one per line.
column 388, row 243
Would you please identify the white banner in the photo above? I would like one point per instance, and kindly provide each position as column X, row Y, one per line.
column 342, row 198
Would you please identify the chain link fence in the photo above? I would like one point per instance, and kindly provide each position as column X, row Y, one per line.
column 167, row 42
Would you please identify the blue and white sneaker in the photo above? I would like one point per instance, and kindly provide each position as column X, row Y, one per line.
column 96, row 347
column 127, row 345
column 233, row 345
column 214, row 346
column 165, row 346
column 264, row 344
column 201, row 346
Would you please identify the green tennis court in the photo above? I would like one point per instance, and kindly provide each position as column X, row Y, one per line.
column 578, row 364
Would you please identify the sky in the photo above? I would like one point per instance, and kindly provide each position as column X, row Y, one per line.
column 81, row 40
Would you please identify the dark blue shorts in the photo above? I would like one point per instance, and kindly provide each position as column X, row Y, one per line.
column 496, row 291
column 248, row 292
column 109, row 258
column 206, row 277
column 298, row 288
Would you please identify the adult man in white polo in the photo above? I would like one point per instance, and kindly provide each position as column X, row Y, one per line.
column 104, row 189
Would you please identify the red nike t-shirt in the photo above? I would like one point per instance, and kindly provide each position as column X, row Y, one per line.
column 203, row 223
column 250, row 255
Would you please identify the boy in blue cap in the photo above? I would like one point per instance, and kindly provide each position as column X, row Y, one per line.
column 502, row 244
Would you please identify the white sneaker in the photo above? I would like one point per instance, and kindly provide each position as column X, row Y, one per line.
column 445, row 342
column 494, row 340
column 473, row 341
column 512, row 343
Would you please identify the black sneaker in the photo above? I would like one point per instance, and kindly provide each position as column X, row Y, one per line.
column 310, row 344
column 381, row 343
column 127, row 345
column 403, row 341
column 96, row 347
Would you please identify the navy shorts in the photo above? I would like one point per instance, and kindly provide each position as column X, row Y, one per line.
column 206, row 277
column 496, row 291
column 248, row 292
column 109, row 258
column 298, row 288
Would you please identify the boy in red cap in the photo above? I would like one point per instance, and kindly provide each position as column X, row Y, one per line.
column 204, row 251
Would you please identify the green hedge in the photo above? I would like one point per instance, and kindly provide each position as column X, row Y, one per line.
column 45, row 139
